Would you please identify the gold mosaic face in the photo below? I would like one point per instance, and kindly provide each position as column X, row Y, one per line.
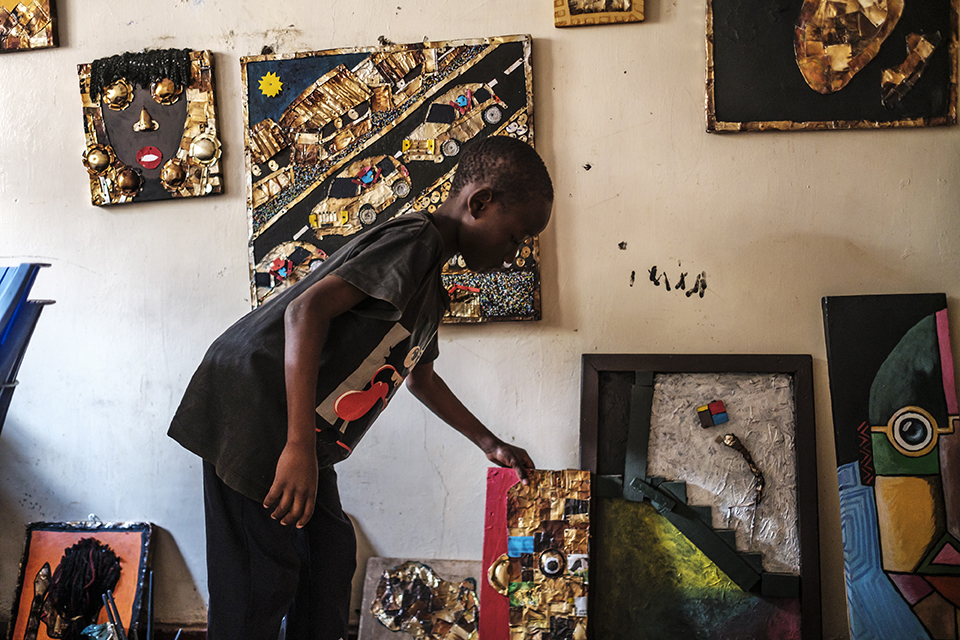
column 150, row 126
column 834, row 40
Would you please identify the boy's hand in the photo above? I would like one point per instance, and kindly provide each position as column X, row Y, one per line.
column 507, row 455
column 431, row 390
column 293, row 494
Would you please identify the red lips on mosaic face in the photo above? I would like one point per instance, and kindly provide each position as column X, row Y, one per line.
column 149, row 157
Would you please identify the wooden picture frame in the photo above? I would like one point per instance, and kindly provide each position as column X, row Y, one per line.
column 621, row 593
column 44, row 547
column 581, row 13
column 771, row 67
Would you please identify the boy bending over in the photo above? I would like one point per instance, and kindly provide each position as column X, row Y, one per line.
column 289, row 390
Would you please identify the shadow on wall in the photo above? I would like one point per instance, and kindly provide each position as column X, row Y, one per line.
column 177, row 599
column 365, row 551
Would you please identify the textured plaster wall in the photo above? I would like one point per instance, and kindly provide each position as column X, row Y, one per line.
column 775, row 220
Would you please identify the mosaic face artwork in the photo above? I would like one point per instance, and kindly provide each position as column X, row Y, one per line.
column 831, row 64
column 342, row 140
column 413, row 598
column 536, row 556
column 897, row 434
column 578, row 13
column 150, row 125
column 697, row 523
column 27, row 25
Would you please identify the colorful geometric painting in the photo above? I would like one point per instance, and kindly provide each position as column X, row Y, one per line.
column 830, row 64
column 578, row 13
column 898, row 454
column 701, row 531
column 342, row 140
column 27, row 25
column 536, row 550
column 150, row 124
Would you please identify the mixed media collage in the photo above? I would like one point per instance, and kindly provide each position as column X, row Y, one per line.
column 150, row 126
column 340, row 141
column 803, row 65
column 704, row 521
column 536, row 555
column 27, row 25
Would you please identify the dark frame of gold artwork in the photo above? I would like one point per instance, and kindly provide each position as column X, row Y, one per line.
column 45, row 542
column 754, row 80
column 608, row 392
column 33, row 27
column 568, row 13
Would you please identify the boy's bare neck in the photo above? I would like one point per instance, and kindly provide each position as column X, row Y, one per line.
column 448, row 224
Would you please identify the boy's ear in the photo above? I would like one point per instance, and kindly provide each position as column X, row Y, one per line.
column 479, row 200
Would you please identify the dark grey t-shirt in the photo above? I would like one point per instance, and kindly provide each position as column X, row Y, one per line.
column 233, row 413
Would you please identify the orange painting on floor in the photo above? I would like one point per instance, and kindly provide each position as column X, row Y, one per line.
column 47, row 542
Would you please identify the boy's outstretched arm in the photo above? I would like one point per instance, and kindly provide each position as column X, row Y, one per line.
column 430, row 389
column 305, row 322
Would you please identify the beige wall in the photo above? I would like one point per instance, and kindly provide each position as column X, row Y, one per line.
column 775, row 220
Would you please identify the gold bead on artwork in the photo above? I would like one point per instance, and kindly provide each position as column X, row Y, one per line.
column 97, row 159
column 118, row 95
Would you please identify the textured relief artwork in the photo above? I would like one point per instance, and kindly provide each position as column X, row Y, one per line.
column 831, row 64
column 413, row 598
column 704, row 523
column 578, row 13
column 342, row 140
column 536, row 556
column 897, row 430
column 150, row 125
column 27, row 25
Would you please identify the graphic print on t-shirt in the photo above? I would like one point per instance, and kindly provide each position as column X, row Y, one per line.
column 353, row 405
column 361, row 377
column 346, row 405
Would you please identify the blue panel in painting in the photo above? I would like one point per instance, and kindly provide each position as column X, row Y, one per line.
column 877, row 612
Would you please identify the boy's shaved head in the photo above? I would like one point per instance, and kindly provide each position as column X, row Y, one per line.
column 510, row 167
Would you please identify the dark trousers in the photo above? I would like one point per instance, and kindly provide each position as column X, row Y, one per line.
column 258, row 570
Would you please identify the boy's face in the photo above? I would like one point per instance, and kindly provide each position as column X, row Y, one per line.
column 493, row 235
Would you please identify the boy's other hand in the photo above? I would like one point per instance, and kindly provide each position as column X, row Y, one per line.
column 507, row 455
column 293, row 494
